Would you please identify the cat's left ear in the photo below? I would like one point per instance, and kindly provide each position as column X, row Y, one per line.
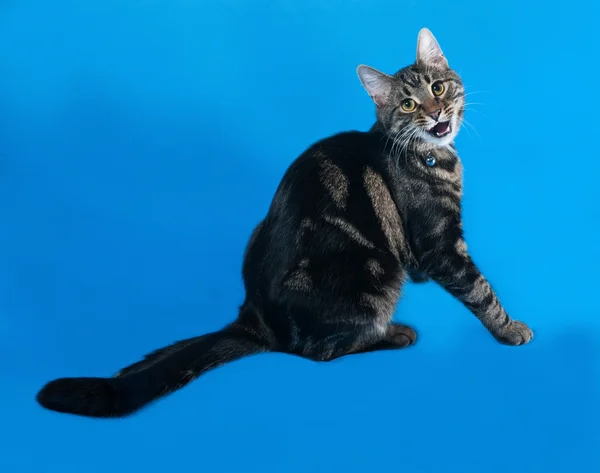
column 377, row 84
column 429, row 52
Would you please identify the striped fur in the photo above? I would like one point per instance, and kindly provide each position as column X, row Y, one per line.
column 353, row 217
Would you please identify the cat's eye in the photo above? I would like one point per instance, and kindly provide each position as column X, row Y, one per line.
column 409, row 105
column 438, row 88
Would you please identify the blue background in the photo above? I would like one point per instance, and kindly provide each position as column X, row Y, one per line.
column 140, row 141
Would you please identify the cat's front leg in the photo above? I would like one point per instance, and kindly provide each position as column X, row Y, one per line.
column 452, row 267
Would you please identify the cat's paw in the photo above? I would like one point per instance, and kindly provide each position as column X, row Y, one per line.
column 401, row 335
column 515, row 333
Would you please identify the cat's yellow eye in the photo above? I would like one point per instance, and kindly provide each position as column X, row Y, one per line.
column 409, row 105
column 438, row 88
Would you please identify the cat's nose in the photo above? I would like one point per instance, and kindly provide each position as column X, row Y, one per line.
column 436, row 114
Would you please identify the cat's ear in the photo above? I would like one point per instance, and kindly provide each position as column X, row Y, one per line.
column 377, row 84
column 429, row 52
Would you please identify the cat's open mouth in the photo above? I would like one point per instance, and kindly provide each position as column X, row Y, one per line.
column 440, row 129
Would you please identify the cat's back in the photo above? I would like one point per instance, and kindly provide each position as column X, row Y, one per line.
column 329, row 175
column 332, row 230
column 334, row 199
column 350, row 150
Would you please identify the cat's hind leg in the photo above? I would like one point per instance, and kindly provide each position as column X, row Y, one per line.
column 396, row 337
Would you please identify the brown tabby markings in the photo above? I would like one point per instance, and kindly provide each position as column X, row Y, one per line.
column 306, row 226
column 349, row 229
column 299, row 280
column 374, row 267
column 335, row 182
column 385, row 209
column 304, row 263
column 461, row 247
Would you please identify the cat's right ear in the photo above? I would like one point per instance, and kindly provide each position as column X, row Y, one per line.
column 377, row 84
column 429, row 52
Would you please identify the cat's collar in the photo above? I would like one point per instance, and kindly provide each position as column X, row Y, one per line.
column 431, row 160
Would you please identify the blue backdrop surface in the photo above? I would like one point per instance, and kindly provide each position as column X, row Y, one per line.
column 140, row 141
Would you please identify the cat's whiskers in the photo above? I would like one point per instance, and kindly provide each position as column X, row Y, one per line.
column 398, row 144
column 470, row 126
column 412, row 138
column 472, row 92
column 478, row 111
column 397, row 137
column 409, row 139
column 399, row 140
column 463, row 125
column 387, row 139
column 415, row 136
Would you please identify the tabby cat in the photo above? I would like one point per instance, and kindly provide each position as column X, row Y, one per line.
column 353, row 216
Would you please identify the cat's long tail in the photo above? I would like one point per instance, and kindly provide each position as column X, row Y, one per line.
column 161, row 372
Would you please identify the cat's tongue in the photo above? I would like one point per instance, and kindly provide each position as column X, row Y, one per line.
column 441, row 129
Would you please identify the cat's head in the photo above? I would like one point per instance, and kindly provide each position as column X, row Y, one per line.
column 424, row 101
